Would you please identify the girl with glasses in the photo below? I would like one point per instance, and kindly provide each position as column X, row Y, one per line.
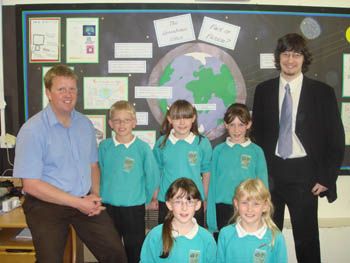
column 180, row 238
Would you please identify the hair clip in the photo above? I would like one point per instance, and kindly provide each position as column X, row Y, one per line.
column 168, row 107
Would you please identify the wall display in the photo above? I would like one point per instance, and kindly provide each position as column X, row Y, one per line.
column 82, row 36
column 211, row 55
column 102, row 92
column 99, row 122
column 45, row 36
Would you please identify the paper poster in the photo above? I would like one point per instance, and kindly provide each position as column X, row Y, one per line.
column 148, row 137
column 205, row 107
column 126, row 66
column 133, row 50
column 99, row 122
column 346, row 75
column 142, row 118
column 345, row 114
column 174, row 30
column 82, row 40
column 219, row 33
column 267, row 61
column 45, row 39
column 102, row 92
column 147, row 92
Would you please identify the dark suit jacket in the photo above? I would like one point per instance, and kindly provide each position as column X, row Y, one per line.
column 318, row 127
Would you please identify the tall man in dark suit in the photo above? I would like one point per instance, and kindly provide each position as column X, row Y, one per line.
column 297, row 123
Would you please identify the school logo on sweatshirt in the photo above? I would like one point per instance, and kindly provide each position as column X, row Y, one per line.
column 194, row 256
column 128, row 164
column 260, row 255
column 192, row 158
column 245, row 160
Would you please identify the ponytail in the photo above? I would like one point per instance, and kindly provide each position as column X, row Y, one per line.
column 168, row 241
column 189, row 189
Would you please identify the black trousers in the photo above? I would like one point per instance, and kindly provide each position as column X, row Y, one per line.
column 49, row 225
column 130, row 223
column 291, row 182
column 163, row 211
column 223, row 214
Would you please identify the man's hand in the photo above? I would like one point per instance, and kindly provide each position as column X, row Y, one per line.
column 91, row 205
column 318, row 188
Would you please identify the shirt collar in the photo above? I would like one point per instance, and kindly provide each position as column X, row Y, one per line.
column 116, row 143
column 189, row 139
column 295, row 83
column 231, row 144
column 53, row 118
column 191, row 234
column 242, row 233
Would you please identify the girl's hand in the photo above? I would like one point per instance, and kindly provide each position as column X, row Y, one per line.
column 153, row 205
column 205, row 206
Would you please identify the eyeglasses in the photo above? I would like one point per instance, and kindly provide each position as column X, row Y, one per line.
column 180, row 203
column 126, row 121
column 287, row 54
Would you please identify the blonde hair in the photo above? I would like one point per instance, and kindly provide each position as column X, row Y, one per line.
column 189, row 189
column 122, row 105
column 58, row 71
column 178, row 110
column 255, row 189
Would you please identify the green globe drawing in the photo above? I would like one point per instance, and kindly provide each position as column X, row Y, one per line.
column 202, row 74
column 105, row 93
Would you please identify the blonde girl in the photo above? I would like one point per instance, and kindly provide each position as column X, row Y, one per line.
column 182, row 152
column 180, row 238
column 252, row 236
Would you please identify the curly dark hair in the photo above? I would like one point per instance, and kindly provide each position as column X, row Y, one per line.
column 293, row 42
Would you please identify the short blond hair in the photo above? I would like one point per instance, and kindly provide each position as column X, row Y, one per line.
column 58, row 71
column 122, row 105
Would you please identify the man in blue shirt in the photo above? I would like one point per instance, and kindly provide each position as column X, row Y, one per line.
column 57, row 159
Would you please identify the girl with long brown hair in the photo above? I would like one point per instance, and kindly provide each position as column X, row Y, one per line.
column 180, row 238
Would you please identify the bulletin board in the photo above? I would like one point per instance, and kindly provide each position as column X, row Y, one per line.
column 153, row 54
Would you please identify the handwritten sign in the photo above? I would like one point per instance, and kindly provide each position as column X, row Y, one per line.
column 148, row 92
column 219, row 33
column 267, row 61
column 174, row 30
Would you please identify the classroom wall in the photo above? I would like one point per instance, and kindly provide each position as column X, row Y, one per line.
column 341, row 208
column 334, row 232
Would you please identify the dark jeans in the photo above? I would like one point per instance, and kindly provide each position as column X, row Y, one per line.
column 130, row 223
column 163, row 211
column 49, row 225
column 291, row 184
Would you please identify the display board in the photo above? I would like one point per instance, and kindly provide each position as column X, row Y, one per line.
column 152, row 55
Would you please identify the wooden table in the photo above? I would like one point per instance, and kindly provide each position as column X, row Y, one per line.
column 22, row 251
